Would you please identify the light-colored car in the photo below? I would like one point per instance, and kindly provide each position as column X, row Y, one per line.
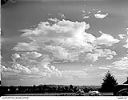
column 94, row 93
column 80, row 92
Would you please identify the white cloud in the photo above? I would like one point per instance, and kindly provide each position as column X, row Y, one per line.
column 107, row 53
column 15, row 56
column 60, row 28
column 122, row 36
column 64, row 40
column 127, row 30
column 71, row 73
column 62, row 15
column 106, row 39
column 43, row 68
column 35, row 70
column 31, row 55
column 85, row 17
column 58, row 52
column 16, row 68
column 53, row 19
column 101, row 16
column 85, row 14
column 93, row 57
column 27, row 58
column 99, row 11
column 21, row 68
column 121, row 64
column 104, row 68
column 51, row 70
column 126, row 35
column 33, row 63
column 25, row 47
column 126, row 45
column 83, row 11
column 56, row 71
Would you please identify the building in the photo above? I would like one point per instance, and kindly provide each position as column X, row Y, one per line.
column 121, row 90
column 126, row 81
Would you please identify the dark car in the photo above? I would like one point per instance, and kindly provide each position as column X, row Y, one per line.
column 121, row 90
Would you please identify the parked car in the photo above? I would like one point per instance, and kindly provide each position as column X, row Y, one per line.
column 121, row 90
column 80, row 92
column 94, row 93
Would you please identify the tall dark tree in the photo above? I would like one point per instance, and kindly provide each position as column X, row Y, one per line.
column 109, row 82
column 3, row 2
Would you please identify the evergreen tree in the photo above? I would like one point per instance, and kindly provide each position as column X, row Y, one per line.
column 3, row 2
column 109, row 82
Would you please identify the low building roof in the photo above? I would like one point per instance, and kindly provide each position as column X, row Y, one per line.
column 126, row 81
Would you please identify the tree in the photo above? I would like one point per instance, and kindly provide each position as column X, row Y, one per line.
column 109, row 82
column 3, row 2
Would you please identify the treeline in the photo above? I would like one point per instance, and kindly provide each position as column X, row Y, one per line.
column 46, row 89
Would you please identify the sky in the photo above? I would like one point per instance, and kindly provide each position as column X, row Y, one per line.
column 64, row 42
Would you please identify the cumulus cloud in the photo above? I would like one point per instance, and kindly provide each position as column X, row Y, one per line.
column 104, row 68
column 71, row 73
column 61, row 28
column 100, row 15
column 106, row 39
column 107, row 53
column 126, row 45
column 25, row 47
column 86, row 14
column 121, row 64
column 126, row 36
column 17, row 68
column 32, row 63
column 31, row 55
column 58, row 52
column 127, row 30
column 62, row 15
column 53, row 19
column 15, row 56
column 47, row 70
column 26, row 58
column 52, row 70
column 122, row 36
column 21, row 68
column 85, row 17
column 93, row 57
column 35, row 70
column 63, row 40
